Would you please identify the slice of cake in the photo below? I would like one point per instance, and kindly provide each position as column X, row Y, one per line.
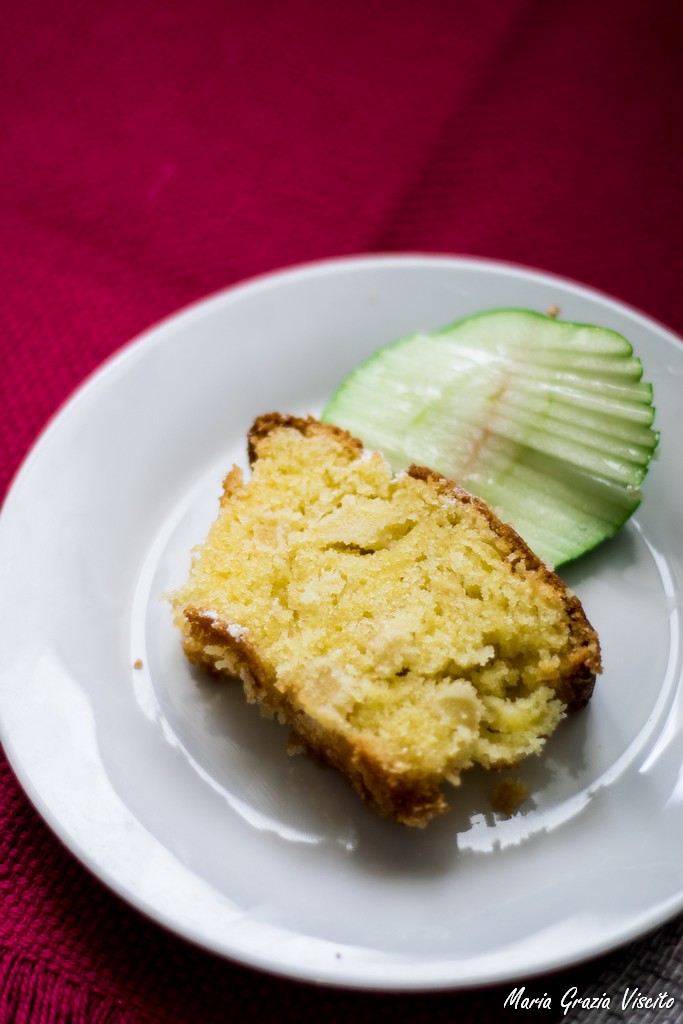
column 394, row 622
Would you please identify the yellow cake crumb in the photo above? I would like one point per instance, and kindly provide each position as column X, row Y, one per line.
column 394, row 622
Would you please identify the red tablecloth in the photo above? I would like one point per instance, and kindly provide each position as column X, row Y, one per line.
column 154, row 152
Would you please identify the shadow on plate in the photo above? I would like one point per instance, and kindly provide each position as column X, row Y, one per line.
column 247, row 756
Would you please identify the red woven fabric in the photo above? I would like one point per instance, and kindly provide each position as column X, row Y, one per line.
column 154, row 152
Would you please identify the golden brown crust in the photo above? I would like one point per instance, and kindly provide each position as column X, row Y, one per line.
column 407, row 800
column 207, row 630
column 308, row 426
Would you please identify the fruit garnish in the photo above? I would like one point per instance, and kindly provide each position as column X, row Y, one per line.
column 548, row 421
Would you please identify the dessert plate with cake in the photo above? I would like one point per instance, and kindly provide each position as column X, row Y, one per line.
column 294, row 690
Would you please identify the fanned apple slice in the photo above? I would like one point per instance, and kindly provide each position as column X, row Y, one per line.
column 547, row 420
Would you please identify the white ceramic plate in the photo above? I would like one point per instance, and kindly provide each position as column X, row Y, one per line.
column 183, row 800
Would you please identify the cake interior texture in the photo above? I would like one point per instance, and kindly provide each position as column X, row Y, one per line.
column 392, row 621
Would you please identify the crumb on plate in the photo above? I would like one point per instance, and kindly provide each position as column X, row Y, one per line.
column 508, row 794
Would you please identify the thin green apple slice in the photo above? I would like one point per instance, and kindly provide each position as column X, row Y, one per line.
column 603, row 455
column 612, row 421
column 574, row 512
column 606, row 455
column 595, row 393
column 506, row 331
column 548, row 421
